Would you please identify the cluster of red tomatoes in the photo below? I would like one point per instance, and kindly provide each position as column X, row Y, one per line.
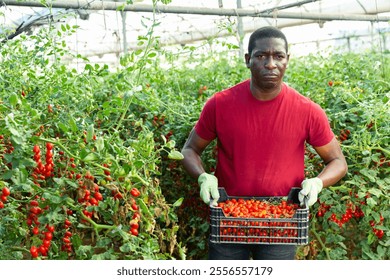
column 259, row 232
column 344, row 134
column 46, row 235
column 270, row 228
column 135, row 219
column 88, row 193
column 44, row 248
column 43, row 171
column 255, row 208
column 5, row 192
column 378, row 232
column 67, row 244
column 352, row 211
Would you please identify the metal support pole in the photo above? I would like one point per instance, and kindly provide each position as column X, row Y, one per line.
column 240, row 30
column 114, row 6
column 124, row 31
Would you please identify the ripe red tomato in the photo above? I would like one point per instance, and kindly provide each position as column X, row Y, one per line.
column 50, row 228
column 36, row 149
column 137, row 216
column 6, row 191
column 134, row 206
column 118, row 195
column 48, row 235
column 135, row 192
column 135, row 226
column 35, row 230
column 43, row 250
column 93, row 201
column 134, row 231
column 98, row 196
column 49, row 146
column 34, row 203
column 34, row 252
column 46, row 243
column 379, row 233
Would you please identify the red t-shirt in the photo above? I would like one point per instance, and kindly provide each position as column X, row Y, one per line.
column 261, row 144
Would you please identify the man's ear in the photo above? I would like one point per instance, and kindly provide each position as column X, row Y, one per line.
column 288, row 60
column 247, row 60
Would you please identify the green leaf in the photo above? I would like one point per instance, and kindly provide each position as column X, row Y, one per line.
column 178, row 202
column 90, row 157
column 73, row 124
column 370, row 174
column 371, row 202
column 126, row 247
column 175, row 155
column 90, row 133
column 52, row 198
column 99, row 144
column 63, row 127
column 13, row 99
column 375, row 192
column 171, row 144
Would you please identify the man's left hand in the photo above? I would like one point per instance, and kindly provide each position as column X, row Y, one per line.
column 310, row 190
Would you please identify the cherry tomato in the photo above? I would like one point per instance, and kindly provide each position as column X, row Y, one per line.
column 34, row 252
column 49, row 146
column 98, row 196
column 6, row 191
column 134, row 231
column 134, row 206
column 48, row 235
column 137, row 216
column 35, row 230
column 135, row 226
column 135, row 192
column 50, row 228
column 36, row 149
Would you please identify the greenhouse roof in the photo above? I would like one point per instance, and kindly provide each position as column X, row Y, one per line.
column 104, row 30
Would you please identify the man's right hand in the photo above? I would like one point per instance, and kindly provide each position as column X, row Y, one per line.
column 208, row 188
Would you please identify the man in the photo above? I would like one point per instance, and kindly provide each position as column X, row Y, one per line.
column 261, row 126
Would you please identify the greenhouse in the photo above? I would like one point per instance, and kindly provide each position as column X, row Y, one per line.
column 100, row 101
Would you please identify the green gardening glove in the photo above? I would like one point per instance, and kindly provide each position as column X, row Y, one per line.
column 310, row 190
column 208, row 187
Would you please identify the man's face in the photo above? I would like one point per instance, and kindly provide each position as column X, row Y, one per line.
column 268, row 62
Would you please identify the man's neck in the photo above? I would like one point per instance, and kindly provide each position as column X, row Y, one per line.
column 265, row 94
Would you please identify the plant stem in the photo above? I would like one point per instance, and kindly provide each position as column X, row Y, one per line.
column 142, row 66
column 323, row 247
column 57, row 143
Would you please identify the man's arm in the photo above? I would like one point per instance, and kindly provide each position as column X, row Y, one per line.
column 335, row 169
column 192, row 163
column 192, row 151
column 335, row 163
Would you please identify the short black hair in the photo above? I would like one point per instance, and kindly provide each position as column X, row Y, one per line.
column 265, row 32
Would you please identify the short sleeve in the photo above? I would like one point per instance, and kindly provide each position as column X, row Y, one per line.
column 205, row 126
column 320, row 132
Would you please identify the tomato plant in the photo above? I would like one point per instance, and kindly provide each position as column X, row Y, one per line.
column 79, row 162
column 90, row 164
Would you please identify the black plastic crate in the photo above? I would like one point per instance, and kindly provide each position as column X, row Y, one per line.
column 238, row 230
